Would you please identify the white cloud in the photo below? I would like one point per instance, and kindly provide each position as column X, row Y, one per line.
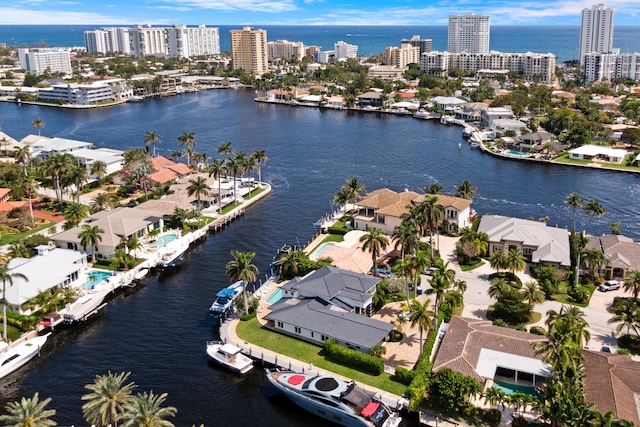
column 9, row 16
column 270, row 6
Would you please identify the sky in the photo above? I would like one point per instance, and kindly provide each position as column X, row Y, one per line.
column 302, row 12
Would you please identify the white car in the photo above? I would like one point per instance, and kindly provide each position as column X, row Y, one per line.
column 609, row 285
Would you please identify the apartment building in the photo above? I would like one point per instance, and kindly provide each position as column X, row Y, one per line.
column 402, row 56
column 148, row 41
column 37, row 61
column 424, row 45
column 76, row 94
column 249, row 50
column 609, row 66
column 108, row 39
column 344, row 50
column 468, row 33
column 186, row 42
column 596, row 31
column 283, row 49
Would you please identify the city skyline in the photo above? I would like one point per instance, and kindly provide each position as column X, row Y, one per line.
column 302, row 12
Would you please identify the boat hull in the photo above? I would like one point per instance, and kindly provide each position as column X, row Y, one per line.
column 25, row 351
column 243, row 365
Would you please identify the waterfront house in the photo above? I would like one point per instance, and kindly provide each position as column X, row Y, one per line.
column 383, row 209
column 50, row 268
column 165, row 170
column 538, row 242
column 534, row 141
column 491, row 114
column 622, row 253
column 282, row 94
column 113, row 159
column 370, row 99
column 493, row 355
column 598, row 153
column 336, row 101
column 447, row 103
column 48, row 147
column 117, row 224
column 471, row 111
column 330, row 303
column 503, row 125
column 76, row 94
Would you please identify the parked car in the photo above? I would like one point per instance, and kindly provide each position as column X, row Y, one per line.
column 609, row 285
column 429, row 271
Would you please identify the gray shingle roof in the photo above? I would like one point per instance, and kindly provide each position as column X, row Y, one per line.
column 331, row 282
column 324, row 318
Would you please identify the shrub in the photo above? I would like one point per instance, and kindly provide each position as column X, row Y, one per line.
column 624, row 351
column 578, row 295
column 512, row 309
column 537, row 330
column 395, row 336
column 450, row 390
column 630, row 342
column 249, row 316
column 500, row 322
column 353, row 359
column 492, row 416
column 403, row 375
column 520, row 327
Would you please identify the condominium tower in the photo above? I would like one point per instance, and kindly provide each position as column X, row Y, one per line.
column 424, row 45
column 185, row 42
column 146, row 40
column 468, row 33
column 249, row 50
column 108, row 39
column 53, row 60
column 596, row 31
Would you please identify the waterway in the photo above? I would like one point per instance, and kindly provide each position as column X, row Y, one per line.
column 158, row 332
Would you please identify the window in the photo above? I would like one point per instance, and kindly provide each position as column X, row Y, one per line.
column 312, row 335
column 280, row 325
column 297, row 329
column 323, row 337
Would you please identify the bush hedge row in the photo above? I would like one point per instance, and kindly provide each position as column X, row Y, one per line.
column 353, row 359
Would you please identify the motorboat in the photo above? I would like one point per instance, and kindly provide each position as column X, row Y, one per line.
column 224, row 299
column 229, row 356
column 339, row 401
column 422, row 114
column 140, row 274
column 172, row 255
column 136, row 98
column 85, row 306
column 12, row 357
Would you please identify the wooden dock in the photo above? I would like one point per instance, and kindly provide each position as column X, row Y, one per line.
column 225, row 220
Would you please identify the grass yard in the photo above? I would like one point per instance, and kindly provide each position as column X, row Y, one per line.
column 566, row 299
column 10, row 238
column 252, row 332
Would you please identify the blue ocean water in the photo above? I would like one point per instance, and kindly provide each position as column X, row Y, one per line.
column 559, row 40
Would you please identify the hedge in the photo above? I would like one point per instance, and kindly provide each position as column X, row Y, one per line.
column 422, row 373
column 403, row 375
column 353, row 359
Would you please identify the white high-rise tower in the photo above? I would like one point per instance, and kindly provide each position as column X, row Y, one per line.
column 596, row 31
column 469, row 33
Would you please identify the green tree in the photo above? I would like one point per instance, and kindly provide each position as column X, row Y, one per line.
column 259, row 157
column 498, row 261
column 375, row 241
column 290, row 263
column 23, row 156
column 218, row 170
column 627, row 314
column 199, row 188
column 151, row 138
column 73, row 214
column 225, row 150
column 55, row 167
column 28, row 413
column 18, row 249
column 146, row 410
column 594, row 259
column 38, row 124
column 235, row 167
column 91, row 236
column 515, row 261
column 498, row 288
column 533, row 294
column 433, row 213
column 465, row 190
column 433, row 188
column 593, row 209
column 632, row 283
column 7, row 278
column 406, row 237
column 101, row 202
column 107, row 399
column 98, row 168
column 240, row 268
column 187, row 140
column 422, row 317
column 450, row 390
column 574, row 201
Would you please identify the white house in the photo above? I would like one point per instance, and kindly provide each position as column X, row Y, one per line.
column 113, row 159
column 597, row 153
column 49, row 147
column 502, row 125
column 447, row 103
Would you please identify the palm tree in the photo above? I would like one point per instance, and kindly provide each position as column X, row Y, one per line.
column 74, row 213
column 406, row 236
column 375, row 241
column 560, row 350
column 235, row 167
column 422, row 317
column 91, row 236
column 23, row 156
column 140, row 173
column 38, row 124
column 433, row 213
column 632, row 283
column 218, row 170
column 575, row 320
column 498, row 288
column 30, row 188
column 497, row 261
column 439, row 286
column 594, row 259
column 175, row 155
column 290, row 263
column 18, row 249
column 151, row 138
column 108, row 399
column 404, row 268
column 187, row 139
column 574, row 201
column 259, row 157
column 465, row 190
column 7, row 277
column 76, row 176
column 199, row 188
column 225, row 149
column 133, row 156
column 627, row 314
column 515, row 261
column 133, row 244
column 29, row 413
column 356, row 188
column 593, row 208
column 434, row 188
column 98, row 168
column 533, row 293
column 242, row 269
column 55, row 167
column 101, row 202
column 146, row 410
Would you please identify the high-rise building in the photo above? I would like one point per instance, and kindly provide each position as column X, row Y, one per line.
column 186, row 42
column 148, row 41
column 109, row 39
column 37, row 61
column 345, row 50
column 285, row 49
column 403, row 55
column 249, row 50
column 468, row 33
column 596, row 31
column 425, row 45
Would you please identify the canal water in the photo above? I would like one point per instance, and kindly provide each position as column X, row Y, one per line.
column 158, row 332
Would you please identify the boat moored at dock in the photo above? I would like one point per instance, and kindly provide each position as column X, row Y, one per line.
column 85, row 306
column 224, row 299
column 12, row 357
column 229, row 356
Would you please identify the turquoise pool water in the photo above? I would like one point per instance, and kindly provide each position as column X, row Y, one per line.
column 164, row 239
column 323, row 247
column 95, row 277
column 518, row 154
column 511, row 388
column 275, row 296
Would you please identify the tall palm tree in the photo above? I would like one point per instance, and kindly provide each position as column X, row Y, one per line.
column 140, row 172
column 259, row 157
column 175, row 155
column 593, row 208
column 76, row 176
column 133, row 156
column 98, row 168
column 133, row 245
column 101, row 202
column 434, row 188
column 240, row 268
column 594, row 259
column 422, row 317
column 23, row 156
column 439, row 287
column 375, row 241
column 218, row 170
column 515, row 261
column 38, row 124
column 235, row 168
column 91, row 236
column 532, row 293
column 632, row 283
column 199, row 188
column 627, row 314
column 29, row 413
column 151, row 138
column 465, row 190
column 404, row 268
column 497, row 261
column 55, row 167
column 290, row 263
column 575, row 320
column 419, row 261
column 73, row 214
column 108, row 398
column 7, row 277
column 574, row 201
column 406, row 236
column 30, row 186
column 188, row 140
column 433, row 214
column 225, row 150
column 356, row 188
column 146, row 410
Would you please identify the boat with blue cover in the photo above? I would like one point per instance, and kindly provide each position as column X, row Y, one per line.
column 224, row 299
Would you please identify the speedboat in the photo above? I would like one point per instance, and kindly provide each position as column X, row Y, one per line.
column 224, row 298
column 13, row 357
column 85, row 306
column 229, row 356
column 172, row 256
column 339, row 401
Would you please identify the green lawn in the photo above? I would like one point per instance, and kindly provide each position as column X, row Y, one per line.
column 5, row 239
column 471, row 266
column 565, row 159
column 252, row 332
column 253, row 193
column 13, row 333
column 566, row 299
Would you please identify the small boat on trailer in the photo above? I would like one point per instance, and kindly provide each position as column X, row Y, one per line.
column 229, row 356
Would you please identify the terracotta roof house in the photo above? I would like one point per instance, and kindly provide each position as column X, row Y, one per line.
column 4, row 194
column 491, row 354
column 163, row 170
column 383, row 209
column 622, row 252
column 282, row 94
column 612, row 383
column 537, row 241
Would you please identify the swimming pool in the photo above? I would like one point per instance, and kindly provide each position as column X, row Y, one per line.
column 95, row 277
column 275, row 296
column 323, row 247
column 511, row 388
column 518, row 154
column 164, row 239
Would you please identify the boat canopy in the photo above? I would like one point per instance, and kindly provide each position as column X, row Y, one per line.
column 226, row 292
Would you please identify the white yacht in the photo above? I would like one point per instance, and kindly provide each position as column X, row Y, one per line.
column 336, row 400
column 13, row 357
column 224, row 299
column 172, row 255
column 85, row 306
column 229, row 356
